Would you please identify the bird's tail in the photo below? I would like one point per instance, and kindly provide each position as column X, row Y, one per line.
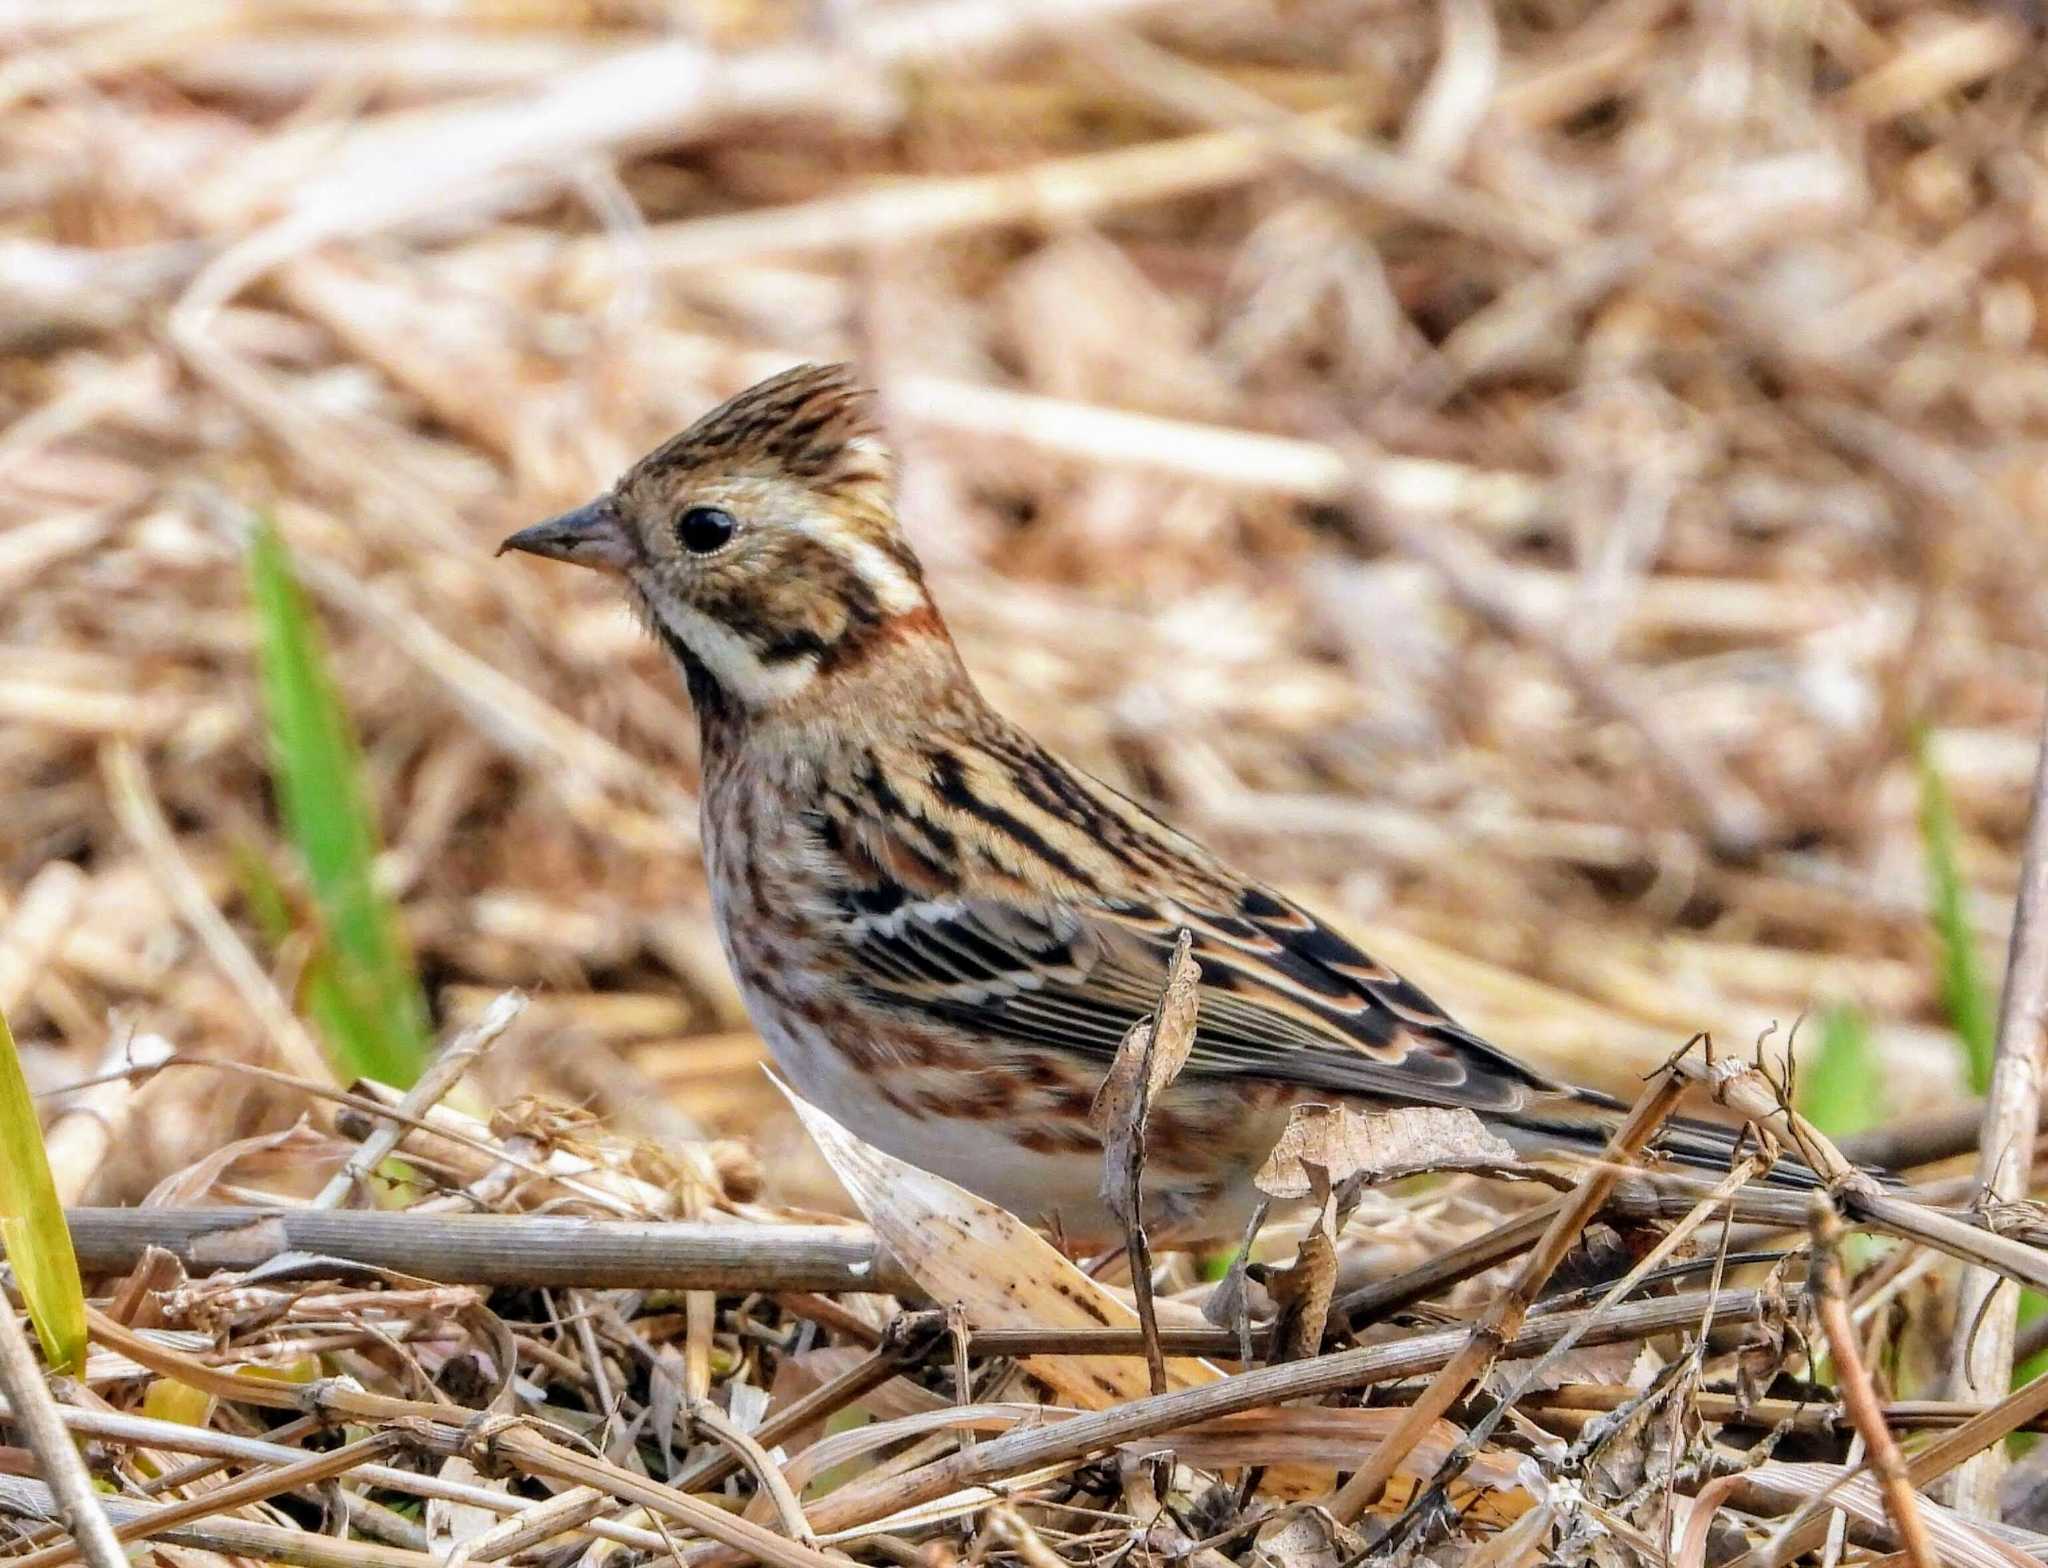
column 1581, row 1122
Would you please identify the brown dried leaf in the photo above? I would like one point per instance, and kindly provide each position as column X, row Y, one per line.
column 1151, row 1057
column 1304, row 1292
column 1144, row 1065
column 1303, row 1538
column 291, row 1148
column 964, row 1249
column 1376, row 1146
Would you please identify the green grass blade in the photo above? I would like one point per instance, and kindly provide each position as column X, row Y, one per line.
column 1964, row 996
column 32, row 1228
column 1841, row 1091
column 366, row 998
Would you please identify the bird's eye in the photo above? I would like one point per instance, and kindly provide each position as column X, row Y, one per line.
column 702, row 529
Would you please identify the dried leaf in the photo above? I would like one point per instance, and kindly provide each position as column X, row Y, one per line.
column 1304, row 1538
column 1303, row 1291
column 1377, row 1146
column 296, row 1146
column 965, row 1249
column 1151, row 1056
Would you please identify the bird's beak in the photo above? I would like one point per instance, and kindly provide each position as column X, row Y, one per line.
column 593, row 535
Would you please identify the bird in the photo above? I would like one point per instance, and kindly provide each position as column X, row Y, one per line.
column 941, row 930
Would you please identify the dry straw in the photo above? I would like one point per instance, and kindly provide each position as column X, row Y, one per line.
column 1516, row 476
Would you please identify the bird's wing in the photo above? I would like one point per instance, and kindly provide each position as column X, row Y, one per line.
column 1048, row 919
column 988, row 887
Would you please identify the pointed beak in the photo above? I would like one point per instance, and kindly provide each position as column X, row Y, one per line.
column 593, row 535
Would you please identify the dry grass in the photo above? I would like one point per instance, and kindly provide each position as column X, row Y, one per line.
column 1514, row 475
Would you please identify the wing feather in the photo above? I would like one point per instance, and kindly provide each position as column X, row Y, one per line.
column 1282, row 996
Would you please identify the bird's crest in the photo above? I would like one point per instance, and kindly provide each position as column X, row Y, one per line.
column 814, row 423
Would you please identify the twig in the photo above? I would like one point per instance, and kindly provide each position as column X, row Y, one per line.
column 861, row 1502
column 232, row 1537
column 706, row 1416
column 509, row 1441
column 379, row 1102
column 21, row 1380
column 1930, row 1463
column 1427, row 1499
column 1371, row 1302
column 91, row 1121
column 222, row 1447
column 1747, row 1091
column 910, row 1338
column 1853, row 1378
column 442, row 1075
column 1586, row 1400
column 1485, row 1344
column 1987, row 1310
column 1976, row 1244
column 503, row 1249
column 225, row 1499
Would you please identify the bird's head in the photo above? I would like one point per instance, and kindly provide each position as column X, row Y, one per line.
column 761, row 545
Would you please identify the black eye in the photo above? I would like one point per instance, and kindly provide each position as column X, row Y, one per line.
column 703, row 529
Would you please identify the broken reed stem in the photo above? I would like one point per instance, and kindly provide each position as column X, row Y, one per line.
column 1488, row 1339
column 862, row 1502
column 231, row 1537
column 1937, row 1459
column 1987, row 1310
column 235, row 1494
column 442, row 1075
column 547, row 1250
column 36, row 1413
column 504, row 1249
column 1369, row 1303
column 1427, row 1499
column 1859, row 1394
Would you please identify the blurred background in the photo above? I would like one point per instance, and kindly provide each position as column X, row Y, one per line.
column 1557, row 485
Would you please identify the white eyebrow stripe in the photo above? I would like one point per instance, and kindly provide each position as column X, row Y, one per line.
column 895, row 590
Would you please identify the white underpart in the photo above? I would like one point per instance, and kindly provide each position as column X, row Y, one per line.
column 976, row 1154
column 731, row 659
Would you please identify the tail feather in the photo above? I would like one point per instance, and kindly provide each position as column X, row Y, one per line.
column 1582, row 1124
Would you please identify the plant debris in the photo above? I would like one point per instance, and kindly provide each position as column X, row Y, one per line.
column 1555, row 486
